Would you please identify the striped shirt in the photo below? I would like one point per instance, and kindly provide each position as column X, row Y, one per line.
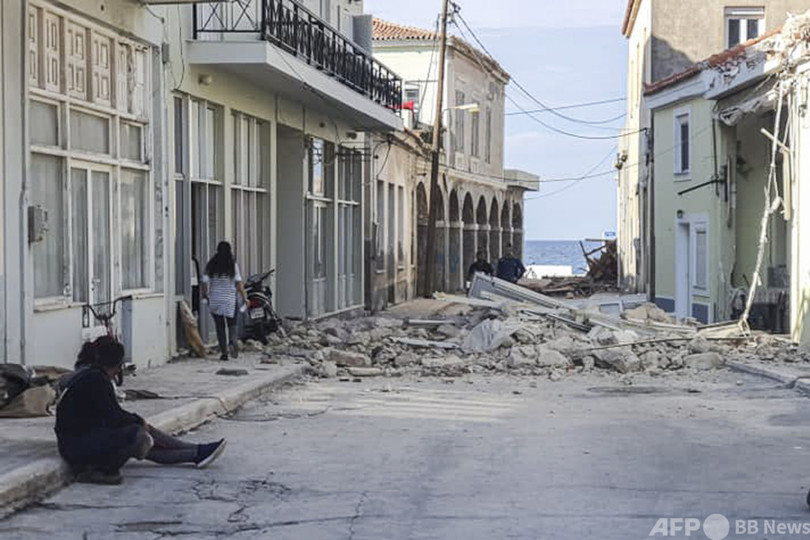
column 222, row 293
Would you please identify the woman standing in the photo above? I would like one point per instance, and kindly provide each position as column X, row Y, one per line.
column 220, row 284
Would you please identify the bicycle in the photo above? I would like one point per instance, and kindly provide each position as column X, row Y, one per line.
column 104, row 313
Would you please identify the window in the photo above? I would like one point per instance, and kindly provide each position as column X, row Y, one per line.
column 326, row 10
column 475, row 126
column 380, row 222
column 47, row 187
column 401, row 226
column 89, row 110
column 249, row 194
column 459, row 139
column 412, row 95
column 135, row 218
column 682, row 148
column 488, row 140
column 743, row 24
column 701, row 257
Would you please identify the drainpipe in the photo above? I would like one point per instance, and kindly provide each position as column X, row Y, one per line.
column 651, row 196
column 23, row 202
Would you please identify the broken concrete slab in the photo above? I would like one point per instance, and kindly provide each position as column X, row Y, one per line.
column 365, row 371
column 489, row 335
column 703, row 361
column 551, row 358
column 348, row 359
column 520, row 357
column 425, row 343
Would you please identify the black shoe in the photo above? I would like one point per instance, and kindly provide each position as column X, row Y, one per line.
column 96, row 476
column 208, row 453
column 234, row 350
column 224, row 357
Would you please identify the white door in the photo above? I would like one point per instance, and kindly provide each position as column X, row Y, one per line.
column 683, row 269
column 91, row 201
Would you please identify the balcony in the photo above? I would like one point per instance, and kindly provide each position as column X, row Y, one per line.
column 292, row 47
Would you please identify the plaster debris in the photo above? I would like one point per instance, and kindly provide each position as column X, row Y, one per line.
column 510, row 330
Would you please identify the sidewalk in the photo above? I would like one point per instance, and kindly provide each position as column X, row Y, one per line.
column 190, row 393
column 795, row 376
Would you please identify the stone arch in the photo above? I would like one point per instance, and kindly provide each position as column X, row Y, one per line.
column 506, row 226
column 440, row 243
column 517, row 230
column 468, row 236
column 421, row 237
column 483, row 225
column 494, row 231
column 455, row 239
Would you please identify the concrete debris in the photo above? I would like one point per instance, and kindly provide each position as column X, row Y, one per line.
column 703, row 361
column 526, row 333
column 365, row 371
column 348, row 359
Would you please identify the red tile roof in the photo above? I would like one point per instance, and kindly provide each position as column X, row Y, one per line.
column 388, row 31
column 716, row 60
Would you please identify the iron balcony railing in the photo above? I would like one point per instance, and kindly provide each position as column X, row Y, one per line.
column 295, row 29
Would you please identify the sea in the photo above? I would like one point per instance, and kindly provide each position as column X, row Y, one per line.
column 557, row 253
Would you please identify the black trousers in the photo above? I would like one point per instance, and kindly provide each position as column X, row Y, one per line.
column 108, row 449
column 220, row 322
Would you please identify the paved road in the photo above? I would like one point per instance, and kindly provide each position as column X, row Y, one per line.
column 477, row 458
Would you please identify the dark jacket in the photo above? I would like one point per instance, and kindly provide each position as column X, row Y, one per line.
column 89, row 404
column 482, row 267
column 510, row 269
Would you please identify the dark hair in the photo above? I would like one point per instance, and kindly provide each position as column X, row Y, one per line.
column 481, row 253
column 223, row 263
column 104, row 352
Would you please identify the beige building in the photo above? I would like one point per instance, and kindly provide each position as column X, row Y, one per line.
column 144, row 134
column 481, row 204
column 666, row 37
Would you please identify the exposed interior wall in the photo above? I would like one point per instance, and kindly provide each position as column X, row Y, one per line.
column 689, row 31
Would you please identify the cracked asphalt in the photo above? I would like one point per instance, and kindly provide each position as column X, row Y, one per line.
column 468, row 458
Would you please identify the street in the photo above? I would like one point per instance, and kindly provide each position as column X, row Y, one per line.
column 471, row 458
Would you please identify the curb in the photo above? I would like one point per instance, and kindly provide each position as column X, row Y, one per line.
column 768, row 373
column 43, row 477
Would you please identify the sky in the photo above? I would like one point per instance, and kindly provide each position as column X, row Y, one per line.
column 563, row 53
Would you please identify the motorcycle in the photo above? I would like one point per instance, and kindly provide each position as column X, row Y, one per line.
column 261, row 317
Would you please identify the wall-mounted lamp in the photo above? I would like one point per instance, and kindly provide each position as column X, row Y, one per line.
column 205, row 79
column 679, row 213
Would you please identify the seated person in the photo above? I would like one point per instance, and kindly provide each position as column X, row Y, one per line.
column 97, row 437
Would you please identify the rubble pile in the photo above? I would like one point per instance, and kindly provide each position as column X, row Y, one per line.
column 479, row 335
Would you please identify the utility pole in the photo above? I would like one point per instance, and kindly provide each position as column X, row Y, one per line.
column 433, row 210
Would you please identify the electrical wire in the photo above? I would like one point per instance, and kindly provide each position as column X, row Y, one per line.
column 514, row 81
column 575, row 106
column 576, row 181
column 541, row 122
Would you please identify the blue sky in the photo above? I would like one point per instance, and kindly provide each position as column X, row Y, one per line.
column 563, row 53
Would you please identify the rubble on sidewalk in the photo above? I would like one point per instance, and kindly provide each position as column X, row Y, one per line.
column 504, row 328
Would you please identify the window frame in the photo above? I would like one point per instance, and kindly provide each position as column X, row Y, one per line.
column 696, row 227
column 743, row 14
column 677, row 120
column 134, row 108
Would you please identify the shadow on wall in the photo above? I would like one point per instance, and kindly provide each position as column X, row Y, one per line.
column 668, row 60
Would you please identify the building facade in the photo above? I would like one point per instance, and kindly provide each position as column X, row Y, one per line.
column 666, row 38
column 713, row 124
column 151, row 133
column 480, row 206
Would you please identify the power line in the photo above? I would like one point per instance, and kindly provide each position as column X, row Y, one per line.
column 594, row 124
column 588, row 174
column 515, row 81
column 576, row 105
column 544, row 124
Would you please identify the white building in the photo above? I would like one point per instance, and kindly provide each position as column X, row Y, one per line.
column 481, row 208
column 146, row 134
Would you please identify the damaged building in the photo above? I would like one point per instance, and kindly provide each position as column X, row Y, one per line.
column 728, row 172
